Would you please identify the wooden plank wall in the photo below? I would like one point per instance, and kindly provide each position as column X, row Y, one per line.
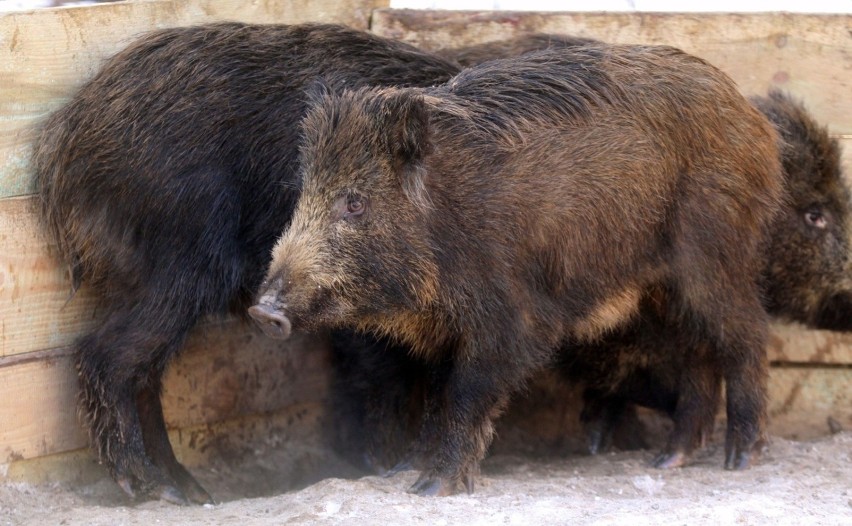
column 228, row 370
column 808, row 55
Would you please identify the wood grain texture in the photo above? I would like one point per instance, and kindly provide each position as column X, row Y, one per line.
column 46, row 54
column 228, row 370
column 793, row 343
column 808, row 55
column 801, row 400
column 37, row 311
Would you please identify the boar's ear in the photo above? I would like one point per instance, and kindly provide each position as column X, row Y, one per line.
column 408, row 142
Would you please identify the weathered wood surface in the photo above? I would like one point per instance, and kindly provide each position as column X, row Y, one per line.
column 794, row 344
column 293, row 435
column 228, row 370
column 37, row 311
column 46, row 54
column 802, row 399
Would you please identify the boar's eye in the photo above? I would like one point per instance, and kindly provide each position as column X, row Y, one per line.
column 350, row 207
column 355, row 206
column 815, row 218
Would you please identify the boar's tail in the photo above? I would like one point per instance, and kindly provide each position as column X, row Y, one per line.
column 52, row 160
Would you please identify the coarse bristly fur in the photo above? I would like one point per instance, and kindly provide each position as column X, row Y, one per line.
column 165, row 182
column 560, row 185
column 805, row 277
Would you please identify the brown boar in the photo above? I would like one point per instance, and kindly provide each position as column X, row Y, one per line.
column 528, row 203
column 806, row 277
column 165, row 182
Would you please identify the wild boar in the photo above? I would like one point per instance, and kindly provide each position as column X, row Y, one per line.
column 527, row 205
column 165, row 181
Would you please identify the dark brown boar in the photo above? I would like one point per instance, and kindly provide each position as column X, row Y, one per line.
column 528, row 203
column 808, row 275
column 165, row 181
column 805, row 277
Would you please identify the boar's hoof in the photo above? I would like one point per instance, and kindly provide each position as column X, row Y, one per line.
column 192, row 492
column 431, row 485
column 669, row 459
column 403, row 465
column 598, row 439
column 739, row 458
column 273, row 323
column 173, row 495
column 126, row 486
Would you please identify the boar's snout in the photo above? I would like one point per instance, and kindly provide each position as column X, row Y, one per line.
column 273, row 322
column 835, row 313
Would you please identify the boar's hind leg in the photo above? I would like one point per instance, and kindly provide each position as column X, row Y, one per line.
column 120, row 365
column 159, row 448
column 720, row 302
column 376, row 401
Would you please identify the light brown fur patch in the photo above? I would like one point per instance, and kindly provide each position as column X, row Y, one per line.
column 608, row 315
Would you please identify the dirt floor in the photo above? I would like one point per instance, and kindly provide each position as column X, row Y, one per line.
column 797, row 482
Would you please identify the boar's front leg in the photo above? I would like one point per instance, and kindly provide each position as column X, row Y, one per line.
column 458, row 425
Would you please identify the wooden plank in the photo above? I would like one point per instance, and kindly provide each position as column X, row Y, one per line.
column 38, row 413
column 289, row 437
column 808, row 55
column 801, row 400
column 35, row 311
column 793, row 343
column 227, row 370
column 230, row 369
column 46, row 54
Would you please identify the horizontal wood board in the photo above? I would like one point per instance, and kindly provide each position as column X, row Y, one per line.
column 228, row 370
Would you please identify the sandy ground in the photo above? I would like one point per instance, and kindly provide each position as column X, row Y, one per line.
column 797, row 482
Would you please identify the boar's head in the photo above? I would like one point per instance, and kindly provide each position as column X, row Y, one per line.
column 808, row 273
column 357, row 249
